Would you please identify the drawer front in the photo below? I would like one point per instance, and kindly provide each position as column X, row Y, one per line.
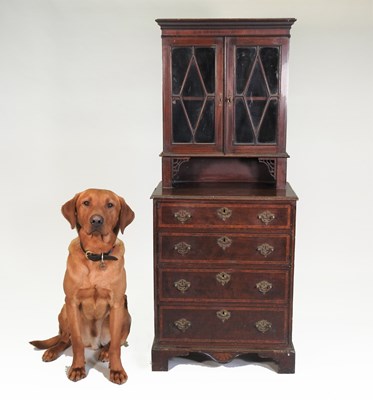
column 224, row 324
column 219, row 215
column 224, row 248
column 183, row 285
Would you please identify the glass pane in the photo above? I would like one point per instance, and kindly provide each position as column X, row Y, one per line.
column 193, row 109
column 180, row 61
column 270, row 61
column 206, row 62
column 181, row 132
column 193, row 85
column 256, row 110
column 244, row 61
column 268, row 130
column 257, row 86
column 243, row 129
column 205, row 131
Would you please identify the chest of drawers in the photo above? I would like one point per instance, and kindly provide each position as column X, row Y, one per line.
column 223, row 273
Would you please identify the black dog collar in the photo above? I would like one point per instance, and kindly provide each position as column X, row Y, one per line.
column 98, row 257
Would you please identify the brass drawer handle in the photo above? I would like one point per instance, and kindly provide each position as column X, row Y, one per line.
column 182, row 248
column 224, row 242
column 266, row 217
column 263, row 326
column 182, row 216
column 223, row 278
column 182, row 285
column 182, row 324
column 223, row 315
column 265, row 249
column 224, row 213
column 264, row 286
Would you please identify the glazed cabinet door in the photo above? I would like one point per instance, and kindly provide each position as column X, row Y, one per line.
column 255, row 89
column 224, row 95
column 192, row 94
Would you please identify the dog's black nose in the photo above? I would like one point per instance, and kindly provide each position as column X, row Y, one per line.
column 96, row 220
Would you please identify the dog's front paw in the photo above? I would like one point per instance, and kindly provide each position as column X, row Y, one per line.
column 118, row 377
column 76, row 374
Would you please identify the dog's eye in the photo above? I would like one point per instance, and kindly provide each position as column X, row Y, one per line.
column 110, row 205
column 86, row 203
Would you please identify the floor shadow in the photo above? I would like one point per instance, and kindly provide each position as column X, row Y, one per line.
column 206, row 361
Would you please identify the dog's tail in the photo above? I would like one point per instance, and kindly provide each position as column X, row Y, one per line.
column 47, row 343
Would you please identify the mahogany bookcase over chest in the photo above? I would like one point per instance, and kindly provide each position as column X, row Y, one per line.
column 224, row 215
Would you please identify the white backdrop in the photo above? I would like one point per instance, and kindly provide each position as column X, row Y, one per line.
column 80, row 106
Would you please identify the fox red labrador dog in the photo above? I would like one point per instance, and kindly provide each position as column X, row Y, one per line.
column 95, row 312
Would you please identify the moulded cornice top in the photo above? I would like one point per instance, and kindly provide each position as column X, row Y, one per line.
column 227, row 23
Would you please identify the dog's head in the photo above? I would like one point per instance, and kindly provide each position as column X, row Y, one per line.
column 97, row 212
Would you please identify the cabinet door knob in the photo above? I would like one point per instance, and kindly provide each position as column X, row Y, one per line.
column 223, row 278
column 265, row 249
column 229, row 99
column 266, row 217
column 182, row 285
column 182, row 216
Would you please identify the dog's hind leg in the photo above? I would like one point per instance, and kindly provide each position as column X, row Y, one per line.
column 57, row 344
column 55, row 351
column 103, row 354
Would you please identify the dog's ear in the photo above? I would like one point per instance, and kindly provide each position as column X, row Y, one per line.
column 126, row 214
column 69, row 211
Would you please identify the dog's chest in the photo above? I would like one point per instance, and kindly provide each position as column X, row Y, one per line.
column 95, row 302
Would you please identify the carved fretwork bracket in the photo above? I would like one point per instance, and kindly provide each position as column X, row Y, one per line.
column 177, row 163
column 271, row 164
